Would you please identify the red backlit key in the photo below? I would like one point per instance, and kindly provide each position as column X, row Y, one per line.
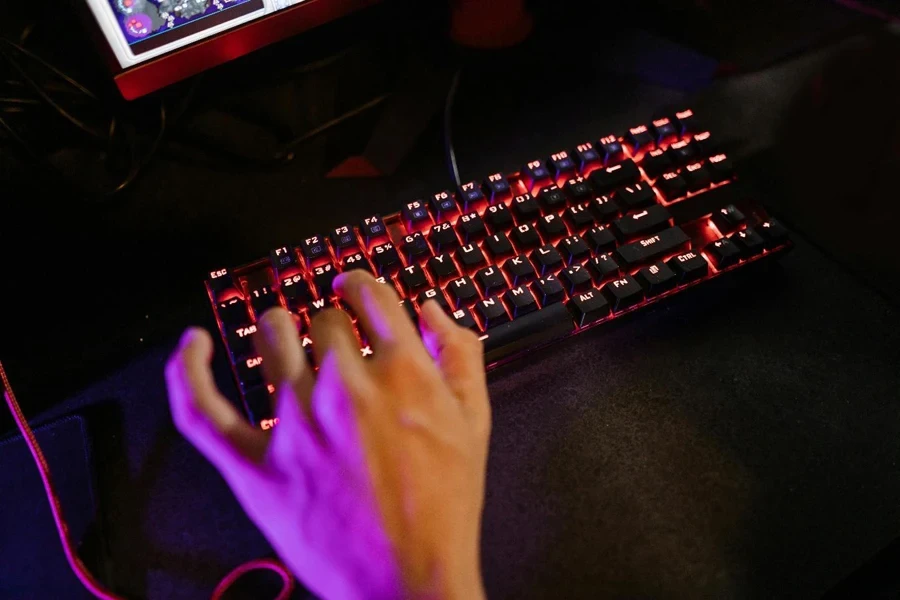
column 663, row 130
column 249, row 372
column 631, row 197
column 295, row 291
column 462, row 292
column 577, row 189
column 704, row 144
column 686, row 121
column 471, row 228
column 373, row 231
column 343, row 240
column 656, row 162
column 672, row 186
column 386, row 259
column 639, row 138
column 680, row 153
column 551, row 198
column 221, row 283
column 498, row 218
column 640, row 223
column 415, row 216
column 624, row 292
column 773, row 232
column 603, row 208
column 574, row 249
column 696, row 176
column 442, row 267
column 322, row 277
column 470, row 196
column 611, row 149
column 233, row 311
column 728, row 218
column 284, row 260
column 526, row 237
column 561, row 164
column 317, row 306
column 651, row 248
column 519, row 270
column 525, row 208
column 433, row 294
column 535, row 174
column 587, row 157
column 552, row 227
column 491, row 312
column 415, row 247
column 720, row 167
column 413, row 278
column 260, row 407
column 470, row 257
column 600, row 239
column 498, row 246
column 656, row 279
column 589, row 306
column 490, row 280
column 464, row 318
column 240, row 341
column 262, row 299
column 357, row 260
column 548, row 290
column 442, row 237
column 689, row 266
column 608, row 179
column 578, row 217
column 443, row 206
column 750, row 242
column 575, row 278
column 546, row 260
column 519, row 301
column 603, row 267
column 724, row 253
column 496, row 187
column 314, row 251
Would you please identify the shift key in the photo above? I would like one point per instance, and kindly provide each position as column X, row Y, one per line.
column 652, row 248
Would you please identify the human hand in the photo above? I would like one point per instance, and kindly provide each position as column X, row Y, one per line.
column 372, row 484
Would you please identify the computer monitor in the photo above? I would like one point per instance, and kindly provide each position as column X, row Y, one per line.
column 153, row 43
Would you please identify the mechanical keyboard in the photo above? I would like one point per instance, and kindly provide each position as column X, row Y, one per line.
column 567, row 243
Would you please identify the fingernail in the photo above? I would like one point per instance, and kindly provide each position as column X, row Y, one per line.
column 190, row 334
column 338, row 282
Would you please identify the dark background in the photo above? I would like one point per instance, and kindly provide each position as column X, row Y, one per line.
column 738, row 443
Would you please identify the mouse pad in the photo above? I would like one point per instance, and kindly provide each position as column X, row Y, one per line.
column 32, row 563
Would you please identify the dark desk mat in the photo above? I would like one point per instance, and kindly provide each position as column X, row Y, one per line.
column 736, row 443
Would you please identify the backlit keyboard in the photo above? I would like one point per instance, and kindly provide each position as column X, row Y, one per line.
column 570, row 241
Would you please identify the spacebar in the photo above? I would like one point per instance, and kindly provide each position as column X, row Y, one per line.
column 533, row 329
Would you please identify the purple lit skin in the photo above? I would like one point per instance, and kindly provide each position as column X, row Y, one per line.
column 372, row 484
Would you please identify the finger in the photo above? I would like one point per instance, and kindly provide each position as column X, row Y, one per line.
column 205, row 417
column 378, row 309
column 284, row 361
column 459, row 355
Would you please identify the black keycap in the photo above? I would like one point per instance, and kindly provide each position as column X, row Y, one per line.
column 525, row 208
column 519, row 301
column 306, row 344
column 672, row 186
column 442, row 237
column 296, row 291
column 470, row 196
column 663, row 129
column 490, row 280
column 221, row 282
column 575, row 278
column 314, row 251
column 688, row 266
column 240, row 340
column 651, row 248
column 639, row 137
column 471, row 228
column 728, row 218
column 463, row 317
column 372, row 230
column 386, row 259
column 546, row 260
column 607, row 179
column 749, row 241
column 624, row 292
column 433, row 294
column 316, row 306
column 499, row 218
column 357, row 260
column 260, row 409
column 587, row 157
column 724, row 253
column 680, row 153
column 773, row 232
column 574, row 249
column 656, row 279
column 577, row 189
column 603, row 267
column 561, row 164
column 534, row 174
column 589, row 306
column 410, row 310
column 686, row 121
column 443, row 206
column 462, row 292
column 498, row 246
column 600, row 239
column 611, row 149
column 249, row 371
column 262, row 299
column 549, row 290
column 284, row 259
column 322, row 278
column 603, row 208
column 526, row 237
column 632, row 197
column 519, row 270
column 551, row 198
column 415, row 216
column 442, row 267
column 704, row 144
column 343, row 240
column 415, row 247
column 696, row 176
column 656, row 162
column 537, row 328
column 643, row 222
column 470, row 257
column 578, row 217
column 720, row 168
column 491, row 312
column 496, row 187
column 551, row 227
column 413, row 278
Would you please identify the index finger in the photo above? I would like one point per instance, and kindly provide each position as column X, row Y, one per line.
column 378, row 307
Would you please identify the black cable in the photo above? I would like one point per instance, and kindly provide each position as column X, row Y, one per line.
column 31, row 55
column 449, row 151
column 139, row 165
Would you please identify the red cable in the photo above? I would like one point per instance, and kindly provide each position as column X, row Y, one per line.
column 81, row 571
